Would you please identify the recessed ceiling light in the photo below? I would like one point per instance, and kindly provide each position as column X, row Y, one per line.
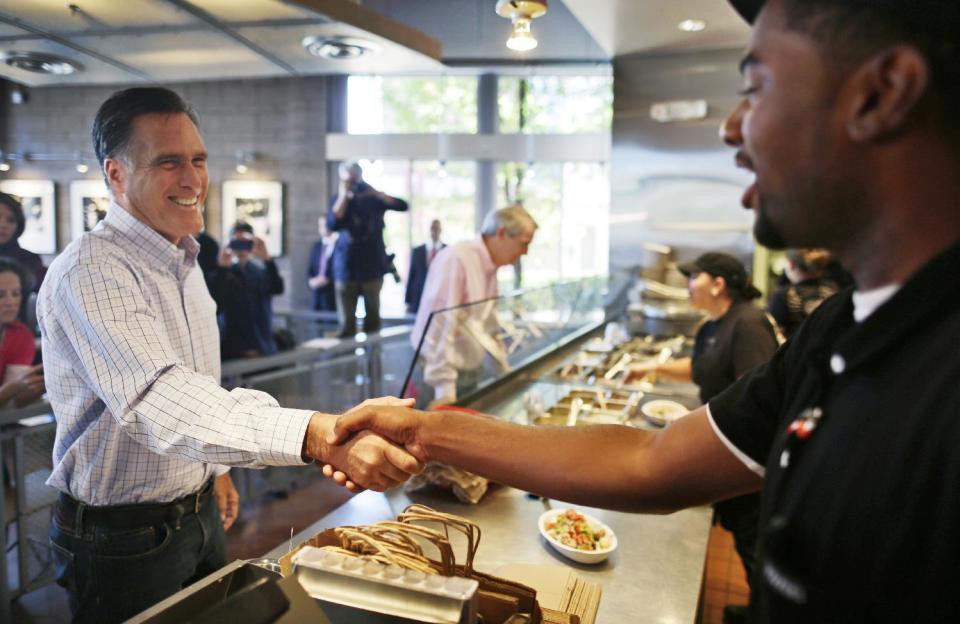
column 40, row 63
column 692, row 25
column 338, row 48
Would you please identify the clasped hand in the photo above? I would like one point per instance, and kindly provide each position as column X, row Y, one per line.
column 364, row 459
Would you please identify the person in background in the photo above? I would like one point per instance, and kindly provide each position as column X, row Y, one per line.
column 360, row 256
column 320, row 269
column 420, row 259
column 809, row 285
column 20, row 381
column 849, row 130
column 145, row 432
column 465, row 273
column 736, row 338
column 208, row 256
column 244, row 284
column 12, row 224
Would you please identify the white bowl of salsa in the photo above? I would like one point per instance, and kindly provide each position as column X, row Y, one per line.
column 577, row 536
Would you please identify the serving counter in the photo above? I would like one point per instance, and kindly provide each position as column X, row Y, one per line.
column 653, row 576
column 656, row 573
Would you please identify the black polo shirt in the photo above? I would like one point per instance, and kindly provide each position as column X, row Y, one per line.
column 730, row 346
column 860, row 521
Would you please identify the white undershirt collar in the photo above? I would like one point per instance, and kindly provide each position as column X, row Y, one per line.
column 867, row 301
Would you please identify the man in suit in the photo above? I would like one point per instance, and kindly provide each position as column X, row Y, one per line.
column 420, row 261
column 320, row 269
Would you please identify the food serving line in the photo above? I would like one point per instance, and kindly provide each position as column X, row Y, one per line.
column 656, row 572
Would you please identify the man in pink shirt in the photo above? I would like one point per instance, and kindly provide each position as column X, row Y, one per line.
column 466, row 273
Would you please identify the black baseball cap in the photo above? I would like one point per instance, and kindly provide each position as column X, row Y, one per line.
column 748, row 9
column 725, row 266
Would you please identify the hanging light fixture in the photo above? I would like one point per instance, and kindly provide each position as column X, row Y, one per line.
column 521, row 13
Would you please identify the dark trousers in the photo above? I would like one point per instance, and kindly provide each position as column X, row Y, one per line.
column 347, row 295
column 112, row 575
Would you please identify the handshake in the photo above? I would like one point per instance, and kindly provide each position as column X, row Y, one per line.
column 357, row 457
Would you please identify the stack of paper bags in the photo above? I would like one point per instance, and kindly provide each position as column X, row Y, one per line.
column 559, row 590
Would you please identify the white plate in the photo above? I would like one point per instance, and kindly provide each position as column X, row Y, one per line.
column 581, row 556
column 663, row 412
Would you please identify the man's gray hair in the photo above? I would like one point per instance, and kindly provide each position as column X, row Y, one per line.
column 514, row 219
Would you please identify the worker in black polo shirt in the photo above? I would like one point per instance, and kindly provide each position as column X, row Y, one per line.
column 852, row 431
column 736, row 338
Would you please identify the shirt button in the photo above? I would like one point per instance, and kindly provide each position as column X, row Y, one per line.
column 837, row 363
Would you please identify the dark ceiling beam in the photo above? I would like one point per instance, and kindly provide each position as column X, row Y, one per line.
column 211, row 20
column 67, row 43
column 500, row 62
column 162, row 29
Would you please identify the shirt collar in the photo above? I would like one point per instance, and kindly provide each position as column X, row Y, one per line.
column 926, row 296
column 139, row 238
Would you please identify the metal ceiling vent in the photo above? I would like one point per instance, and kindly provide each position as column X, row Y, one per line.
column 40, row 63
column 338, row 48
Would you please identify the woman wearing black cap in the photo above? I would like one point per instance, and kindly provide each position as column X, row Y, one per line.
column 736, row 337
column 12, row 224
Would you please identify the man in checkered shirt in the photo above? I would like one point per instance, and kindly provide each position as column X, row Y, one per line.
column 145, row 433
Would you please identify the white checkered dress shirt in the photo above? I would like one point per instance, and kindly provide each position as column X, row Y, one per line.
column 131, row 357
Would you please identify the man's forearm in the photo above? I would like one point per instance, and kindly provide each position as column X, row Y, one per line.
column 605, row 466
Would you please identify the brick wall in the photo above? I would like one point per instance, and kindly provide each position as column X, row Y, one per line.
column 283, row 120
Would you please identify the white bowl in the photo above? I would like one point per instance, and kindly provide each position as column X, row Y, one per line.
column 581, row 556
column 663, row 412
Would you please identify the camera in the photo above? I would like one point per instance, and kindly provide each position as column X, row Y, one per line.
column 241, row 244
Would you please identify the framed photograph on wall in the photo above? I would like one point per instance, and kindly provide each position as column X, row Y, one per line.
column 89, row 200
column 259, row 203
column 39, row 208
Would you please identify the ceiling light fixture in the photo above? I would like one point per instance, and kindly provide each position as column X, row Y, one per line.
column 521, row 12
column 692, row 25
column 41, row 63
column 82, row 167
column 338, row 48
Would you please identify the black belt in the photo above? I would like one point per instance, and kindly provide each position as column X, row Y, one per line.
column 73, row 515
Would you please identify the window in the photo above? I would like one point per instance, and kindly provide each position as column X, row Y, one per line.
column 555, row 104
column 571, row 204
column 383, row 105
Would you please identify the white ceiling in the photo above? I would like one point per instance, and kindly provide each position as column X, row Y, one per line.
column 123, row 41
column 623, row 27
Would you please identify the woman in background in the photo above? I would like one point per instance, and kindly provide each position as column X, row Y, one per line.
column 20, row 381
column 12, row 224
column 736, row 337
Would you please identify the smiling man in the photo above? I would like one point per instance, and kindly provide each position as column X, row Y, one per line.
column 852, row 431
column 131, row 351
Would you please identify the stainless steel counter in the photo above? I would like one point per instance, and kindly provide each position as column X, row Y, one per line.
column 654, row 576
column 656, row 573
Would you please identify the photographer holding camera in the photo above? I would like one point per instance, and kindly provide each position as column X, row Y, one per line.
column 243, row 289
column 360, row 258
